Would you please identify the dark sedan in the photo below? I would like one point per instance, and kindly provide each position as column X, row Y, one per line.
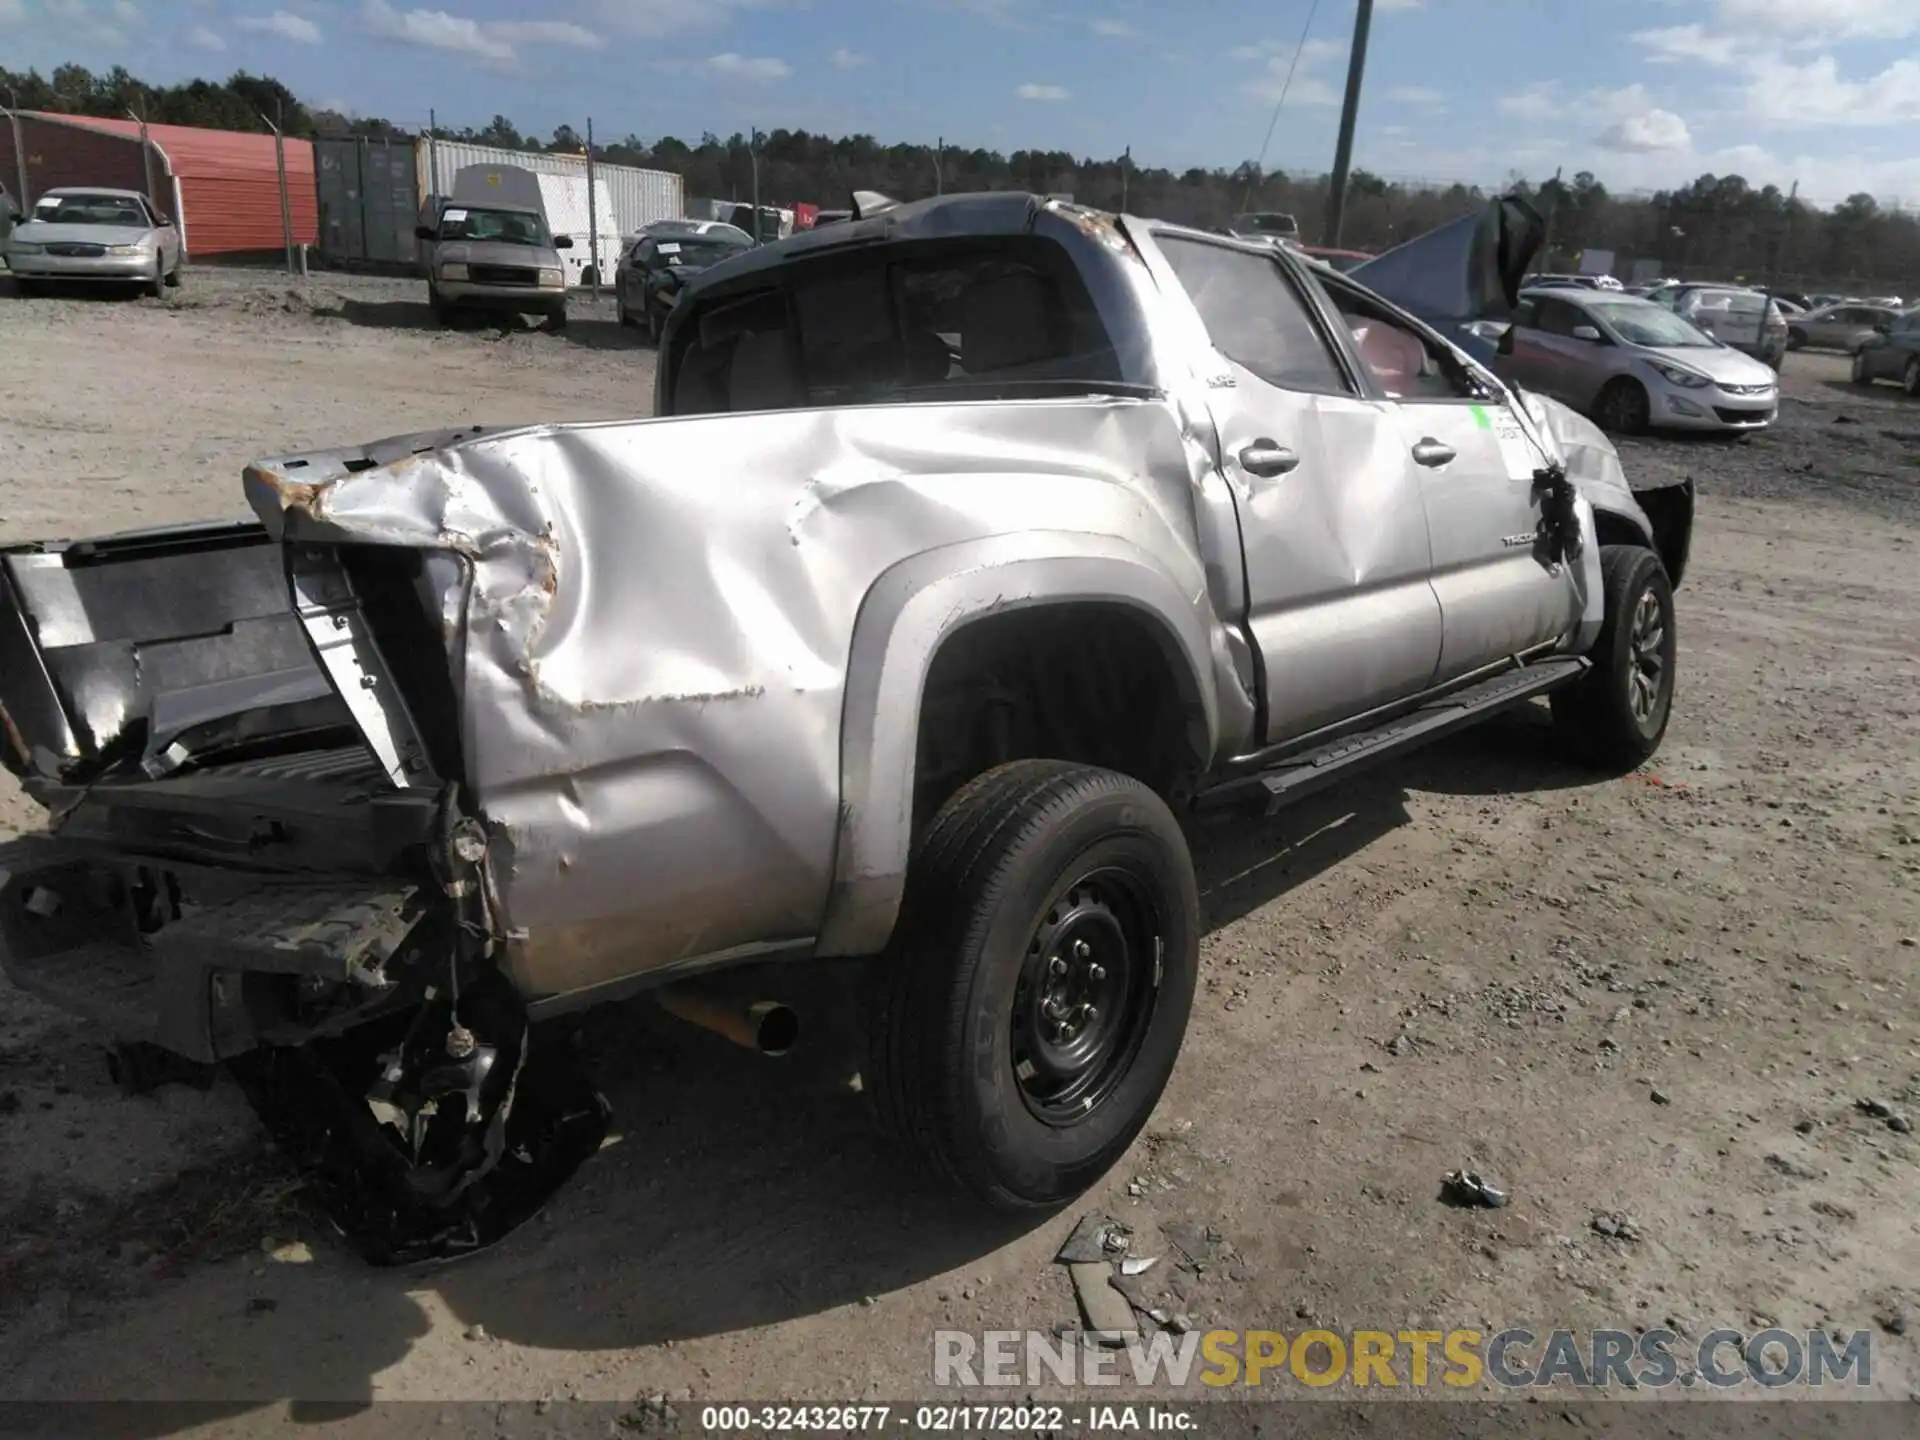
column 651, row 274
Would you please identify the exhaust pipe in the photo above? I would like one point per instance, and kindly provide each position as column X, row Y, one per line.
column 763, row 1025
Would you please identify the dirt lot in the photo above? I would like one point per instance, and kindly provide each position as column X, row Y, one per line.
column 1660, row 996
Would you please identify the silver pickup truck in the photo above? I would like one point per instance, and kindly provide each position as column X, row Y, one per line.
column 977, row 540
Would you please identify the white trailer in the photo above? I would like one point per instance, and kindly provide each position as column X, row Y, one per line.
column 564, row 200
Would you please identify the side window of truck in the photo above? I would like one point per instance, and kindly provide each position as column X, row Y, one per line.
column 976, row 319
column 1253, row 315
column 1402, row 362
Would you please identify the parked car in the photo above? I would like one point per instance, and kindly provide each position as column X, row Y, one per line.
column 666, row 229
column 94, row 236
column 1584, row 282
column 1891, row 353
column 1788, row 300
column 652, row 274
column 1265, row 224
column 1886, row 302
column 1837, row 327
column 1733, row 314
column 490, row 256
column 1631, row 364
column 906, row 634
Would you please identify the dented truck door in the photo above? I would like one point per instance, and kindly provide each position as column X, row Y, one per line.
column 1337, row 557
column 1501, row 591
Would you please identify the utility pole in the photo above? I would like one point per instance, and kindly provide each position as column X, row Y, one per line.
column 19, row 146
column 593, row 216
column 433, row 167
column 1546, row 231
column 280, row 160
column 1126, row 164
column 1349, row 113
column 939, row 177
column 146, row 153
column 753, row 157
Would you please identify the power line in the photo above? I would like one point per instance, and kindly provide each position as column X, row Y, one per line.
column 1285, row 85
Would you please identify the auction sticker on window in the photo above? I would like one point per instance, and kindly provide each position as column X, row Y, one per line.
column 1512, row 440
column 454, row 216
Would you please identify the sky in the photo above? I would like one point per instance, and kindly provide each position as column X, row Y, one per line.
column 1643, row 93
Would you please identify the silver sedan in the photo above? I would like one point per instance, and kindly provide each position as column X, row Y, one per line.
column 1632, row 364
column 95, row 235
column 1838, row 327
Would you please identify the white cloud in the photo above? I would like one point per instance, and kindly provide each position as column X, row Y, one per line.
column 1116, row 29
column 1537, row 101
column 845, row 59
column 1652, row 130
column 1004, row 14
column 201, row 38
column 1401, row 5
column 284, row 24
column 104, row 23
column 12, row 11
column 1415, row 95
column 653, row 19
column 1674, row 43
column 1828, row 20
column 1785, row 93
column 1031, row 91
column 544, row 32
column 435, row 30
column 1305, row 88
column 751, row 69
column 492, row 42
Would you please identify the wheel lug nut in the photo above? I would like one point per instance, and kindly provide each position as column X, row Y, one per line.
column 1087, row 1012
column 1096, row 972
column 1081, row 949
column 1056, row 966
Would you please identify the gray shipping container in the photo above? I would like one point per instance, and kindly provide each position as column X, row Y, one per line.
column 640, row 197
column 368, row 202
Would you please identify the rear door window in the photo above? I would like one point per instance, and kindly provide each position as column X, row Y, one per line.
column 1254, row 315
column 974, row 320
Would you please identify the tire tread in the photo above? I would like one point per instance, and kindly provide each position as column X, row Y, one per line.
column 919, row 1008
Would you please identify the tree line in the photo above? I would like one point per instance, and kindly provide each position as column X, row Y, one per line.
column 1717, row 227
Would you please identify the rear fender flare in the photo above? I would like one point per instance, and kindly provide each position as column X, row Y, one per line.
column 905, row 617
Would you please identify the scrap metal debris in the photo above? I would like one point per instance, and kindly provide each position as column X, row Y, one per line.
column 1095, row 1238
column 1108, row 1313
column 1469, row 1188
column 1138, row 1264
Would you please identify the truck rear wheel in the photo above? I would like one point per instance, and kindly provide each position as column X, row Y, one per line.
column 1028, row 1014
column 1615, row 715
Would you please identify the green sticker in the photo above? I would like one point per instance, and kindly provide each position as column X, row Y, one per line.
column 1480, row 417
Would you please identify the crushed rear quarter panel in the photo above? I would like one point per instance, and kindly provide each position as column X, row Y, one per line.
column 654, row 646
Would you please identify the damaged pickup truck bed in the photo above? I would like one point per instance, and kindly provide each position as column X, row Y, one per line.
column 978, row 538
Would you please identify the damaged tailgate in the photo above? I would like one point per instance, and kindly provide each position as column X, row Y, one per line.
column 138, row 649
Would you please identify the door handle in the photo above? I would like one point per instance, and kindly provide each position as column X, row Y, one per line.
column 1266, row 459
column 1431, row 452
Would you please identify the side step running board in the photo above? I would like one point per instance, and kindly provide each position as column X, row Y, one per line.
column 1302, row 774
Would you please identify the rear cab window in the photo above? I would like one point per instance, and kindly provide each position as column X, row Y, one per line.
column 980, row 318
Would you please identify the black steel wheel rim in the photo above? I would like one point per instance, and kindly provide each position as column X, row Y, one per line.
column 1085, row 998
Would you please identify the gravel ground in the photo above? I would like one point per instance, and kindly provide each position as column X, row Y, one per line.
column 1658, row 997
